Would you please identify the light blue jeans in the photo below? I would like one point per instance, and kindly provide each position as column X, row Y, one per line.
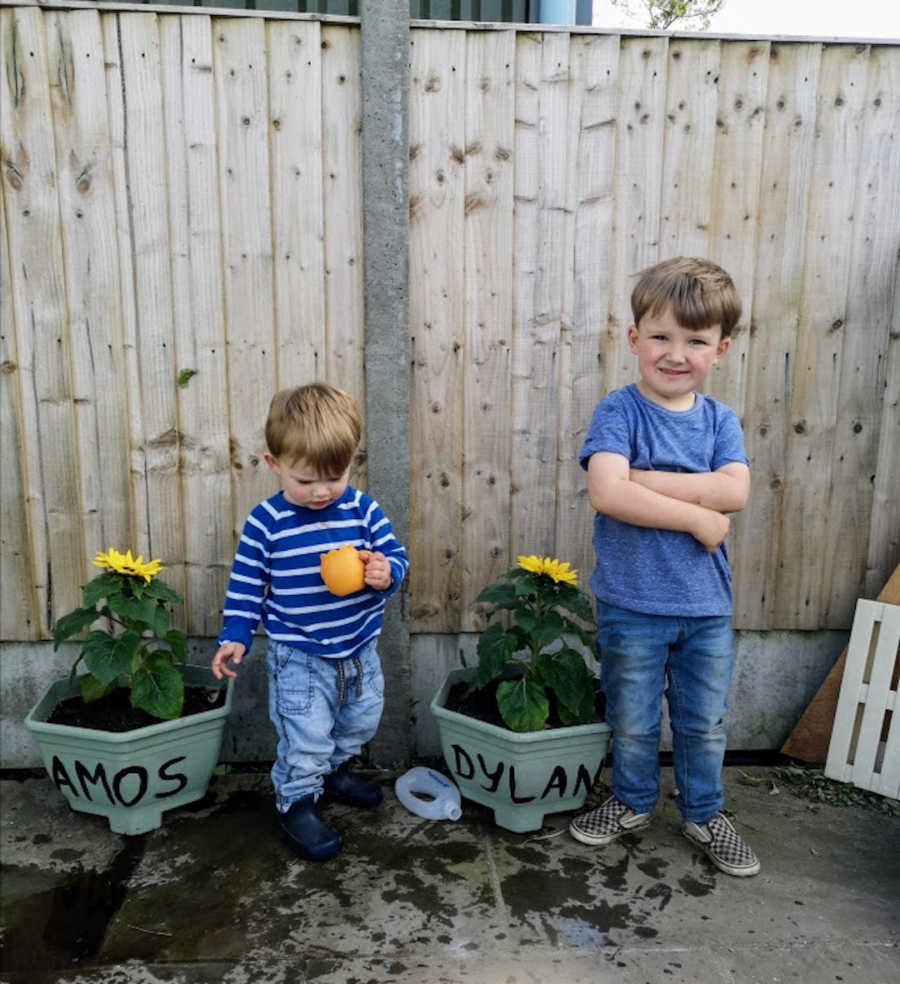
column 639, row 654
column 324, row 711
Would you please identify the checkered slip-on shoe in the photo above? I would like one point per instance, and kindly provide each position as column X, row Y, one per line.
column 723, row 845
column 607, row 822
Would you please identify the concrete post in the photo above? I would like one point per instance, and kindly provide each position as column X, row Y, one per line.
column 385, row 77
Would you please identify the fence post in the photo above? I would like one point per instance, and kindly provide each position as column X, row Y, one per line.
column 385, row 78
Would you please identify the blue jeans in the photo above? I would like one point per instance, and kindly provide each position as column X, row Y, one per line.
column 638, row 655
column 324, row 711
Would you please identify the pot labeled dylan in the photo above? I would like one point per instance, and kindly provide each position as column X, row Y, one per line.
column 521, row 776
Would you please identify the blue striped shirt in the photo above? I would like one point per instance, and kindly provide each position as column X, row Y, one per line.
column 275, row 575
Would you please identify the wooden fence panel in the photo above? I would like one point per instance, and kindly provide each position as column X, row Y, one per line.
column 816, row 374
column 139, row 536
column 295, row 139
column 541, row 234
column 640, row 119
column 489, row 137
column 784, row 193
column 692, row 99
column 734, row 211
column 19, row 616
column 87, row 201
column 182, row 199
column 198, row 313
column 436, row 323
column 593, row 69
column 38, row 293
column 342, row 361
column 151, row 350
column 734, row 194
column 874, row 312
column 243, row 128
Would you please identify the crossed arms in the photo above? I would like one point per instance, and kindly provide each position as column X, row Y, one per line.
column 690, row 502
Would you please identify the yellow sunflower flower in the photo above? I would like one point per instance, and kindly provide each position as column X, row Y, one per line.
column 531, row 563
column 121, row 563
column 553, row 568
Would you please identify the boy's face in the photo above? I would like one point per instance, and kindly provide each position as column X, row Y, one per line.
column 673, row 361
column 302, row 485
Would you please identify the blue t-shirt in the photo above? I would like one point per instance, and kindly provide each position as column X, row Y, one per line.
column 661, row 572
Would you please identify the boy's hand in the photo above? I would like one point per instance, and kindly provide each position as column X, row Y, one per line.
column 377, row 572
column 711, row 528
column 233, row 651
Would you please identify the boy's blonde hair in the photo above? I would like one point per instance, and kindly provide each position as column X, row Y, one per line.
column 700, row 294
column 318, row 424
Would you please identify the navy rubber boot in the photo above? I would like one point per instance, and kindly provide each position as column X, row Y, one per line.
column 343, row 786
column 308, row 833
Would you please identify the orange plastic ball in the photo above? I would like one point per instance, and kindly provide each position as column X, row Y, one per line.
column 343, row 570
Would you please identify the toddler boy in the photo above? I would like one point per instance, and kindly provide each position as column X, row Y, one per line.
column 325, row 680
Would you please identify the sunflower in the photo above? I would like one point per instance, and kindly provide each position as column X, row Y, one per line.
column 112, row 560
column 553, row 568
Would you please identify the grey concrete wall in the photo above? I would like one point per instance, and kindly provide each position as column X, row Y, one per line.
column 776, row 674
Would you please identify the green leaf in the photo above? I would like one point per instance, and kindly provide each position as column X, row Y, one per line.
column 158, row 688
column 547, row 630
column 162, row 591
column 72, row 624
column 161, row 620
column 495, row 647
column 500, row 595
column 747, row 780
column 184, row 377
column 585, row 714
column 525, row 620
column 103, row 585
column 523, row 705
column 92, row 689
column 141, row 611
column 177, row 641
column 577, row 603
column 106, row 657
column 565, row 673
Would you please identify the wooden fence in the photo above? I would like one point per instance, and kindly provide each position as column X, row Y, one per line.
column 182, row 229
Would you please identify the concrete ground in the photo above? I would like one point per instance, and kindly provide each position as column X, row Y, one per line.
column 214, row 895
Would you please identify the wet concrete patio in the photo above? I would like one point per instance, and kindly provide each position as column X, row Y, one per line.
column 215, row 895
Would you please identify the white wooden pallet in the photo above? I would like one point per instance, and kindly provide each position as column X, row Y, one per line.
column 865, row 739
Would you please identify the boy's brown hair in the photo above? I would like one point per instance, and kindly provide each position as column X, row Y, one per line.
column 317, row 423
column 700, row 294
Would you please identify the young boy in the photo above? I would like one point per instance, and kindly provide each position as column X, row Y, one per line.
column 665, row 466
column 325, row 679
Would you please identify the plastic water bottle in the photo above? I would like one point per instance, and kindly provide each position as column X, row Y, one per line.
column 428, row 794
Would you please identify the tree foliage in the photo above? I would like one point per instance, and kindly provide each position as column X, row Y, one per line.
column 662, row 14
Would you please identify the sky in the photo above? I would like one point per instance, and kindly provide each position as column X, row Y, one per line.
column 816, row 18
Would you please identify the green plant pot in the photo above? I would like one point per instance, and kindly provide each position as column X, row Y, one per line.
column 131, row 777
column 520, row 776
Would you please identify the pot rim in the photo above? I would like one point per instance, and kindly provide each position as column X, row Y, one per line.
column 517, row 737
column 57, row 689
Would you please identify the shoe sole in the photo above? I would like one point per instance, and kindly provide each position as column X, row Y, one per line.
column 728, row 869
column 601, row 840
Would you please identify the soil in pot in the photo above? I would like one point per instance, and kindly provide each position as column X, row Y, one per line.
column 115, row 713
column 482, row 704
